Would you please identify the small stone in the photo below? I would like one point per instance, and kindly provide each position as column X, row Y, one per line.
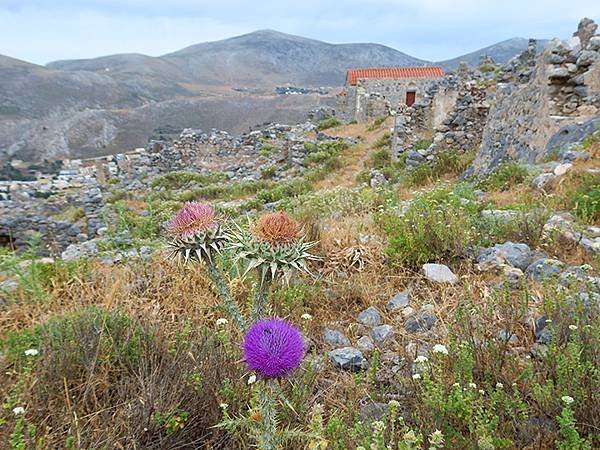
column 420, row 322
column 544, row 268
column 507, row 336
column 348, row 358
column 335, row 338
column 366, row 344
column 382, row 333
column 370, row 317
column 514, row 277
column 562, row 169
column 408, row 311
column 399, row 301
column 439, row 273
column 540, row 181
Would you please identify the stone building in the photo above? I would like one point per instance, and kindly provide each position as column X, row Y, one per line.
column 374, row 92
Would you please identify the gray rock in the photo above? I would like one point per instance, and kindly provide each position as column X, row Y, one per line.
column 540, row 181
column 84, row 250
column 370, row 317
column 558, row 73
column 399, row 301
column 439, row 273
column 371, row 411
column 544, row 268
column 335, row 338
column 366, row 344
column 514, row 254
column 382, row 333
column 507, row 336
column 348, row 358
column 420, row 322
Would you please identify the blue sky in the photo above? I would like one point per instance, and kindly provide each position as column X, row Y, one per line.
column 46, row 30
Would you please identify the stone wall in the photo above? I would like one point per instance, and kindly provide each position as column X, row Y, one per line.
column 452, row 113
column 561, row 89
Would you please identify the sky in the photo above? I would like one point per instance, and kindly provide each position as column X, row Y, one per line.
column 41, row 31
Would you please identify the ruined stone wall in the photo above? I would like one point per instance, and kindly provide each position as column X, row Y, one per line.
column 562, row 90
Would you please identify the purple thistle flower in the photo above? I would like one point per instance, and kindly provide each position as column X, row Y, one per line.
column 273, row 348
column 194, row 218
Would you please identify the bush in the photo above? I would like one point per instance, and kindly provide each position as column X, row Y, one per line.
column 422, row 144
column 439, row 225
column 586, row 203
column 330, row 122
column 504, row 177
column 383, row 141
column 182, row 179
column 115, row 382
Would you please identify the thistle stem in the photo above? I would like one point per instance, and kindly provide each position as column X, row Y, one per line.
column 223, row 290
column 261, row 296
column 269, row 417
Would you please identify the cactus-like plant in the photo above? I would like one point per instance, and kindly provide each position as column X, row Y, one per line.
column 274, row 246
column 196, row 233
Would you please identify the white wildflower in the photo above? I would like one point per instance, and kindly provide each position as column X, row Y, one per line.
column 439, row 348
column 222, row 322
column 18, row 410
column 306, row 316
column 421, row 359
column 567, row 399
column 472, row 385
column 456, row 385
column 31, row 352
column 252, row 379
column 416, row 376
column 572, row 327
column 481, row 391
column 499, row 385
column 410, row 437
column 437, row 438
column 224, row 406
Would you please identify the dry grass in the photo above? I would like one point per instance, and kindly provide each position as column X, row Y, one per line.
column 354, row 159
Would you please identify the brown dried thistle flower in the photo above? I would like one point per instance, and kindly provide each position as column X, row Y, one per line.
column 276, row 229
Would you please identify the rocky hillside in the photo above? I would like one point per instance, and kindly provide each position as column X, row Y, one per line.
column 114, row 103
column 500, row 53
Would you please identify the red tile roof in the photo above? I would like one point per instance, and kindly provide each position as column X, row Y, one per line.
column 394, row 72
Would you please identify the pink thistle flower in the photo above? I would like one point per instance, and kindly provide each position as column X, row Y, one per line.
column 273, row 348
column 193, row 219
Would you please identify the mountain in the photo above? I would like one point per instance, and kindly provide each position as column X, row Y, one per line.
column 85, row 107
column 500, row 53
column 261, row 59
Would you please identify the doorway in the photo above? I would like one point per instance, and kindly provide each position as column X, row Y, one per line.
column 411, row 96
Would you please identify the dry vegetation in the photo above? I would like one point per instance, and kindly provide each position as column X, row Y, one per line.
column 131, row 356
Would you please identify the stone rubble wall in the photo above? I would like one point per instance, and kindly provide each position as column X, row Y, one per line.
column 534, row 103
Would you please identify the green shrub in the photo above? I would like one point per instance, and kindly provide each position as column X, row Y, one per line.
column 268, row 172
column 182, row 179
column 504, row 177
column 439, row 225
column 327, row 123
column 380, row 158
column 422, row 144
column 383, row 141
column 586, row 203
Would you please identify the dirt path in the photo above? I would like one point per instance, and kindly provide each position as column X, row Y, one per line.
column 354, row 159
